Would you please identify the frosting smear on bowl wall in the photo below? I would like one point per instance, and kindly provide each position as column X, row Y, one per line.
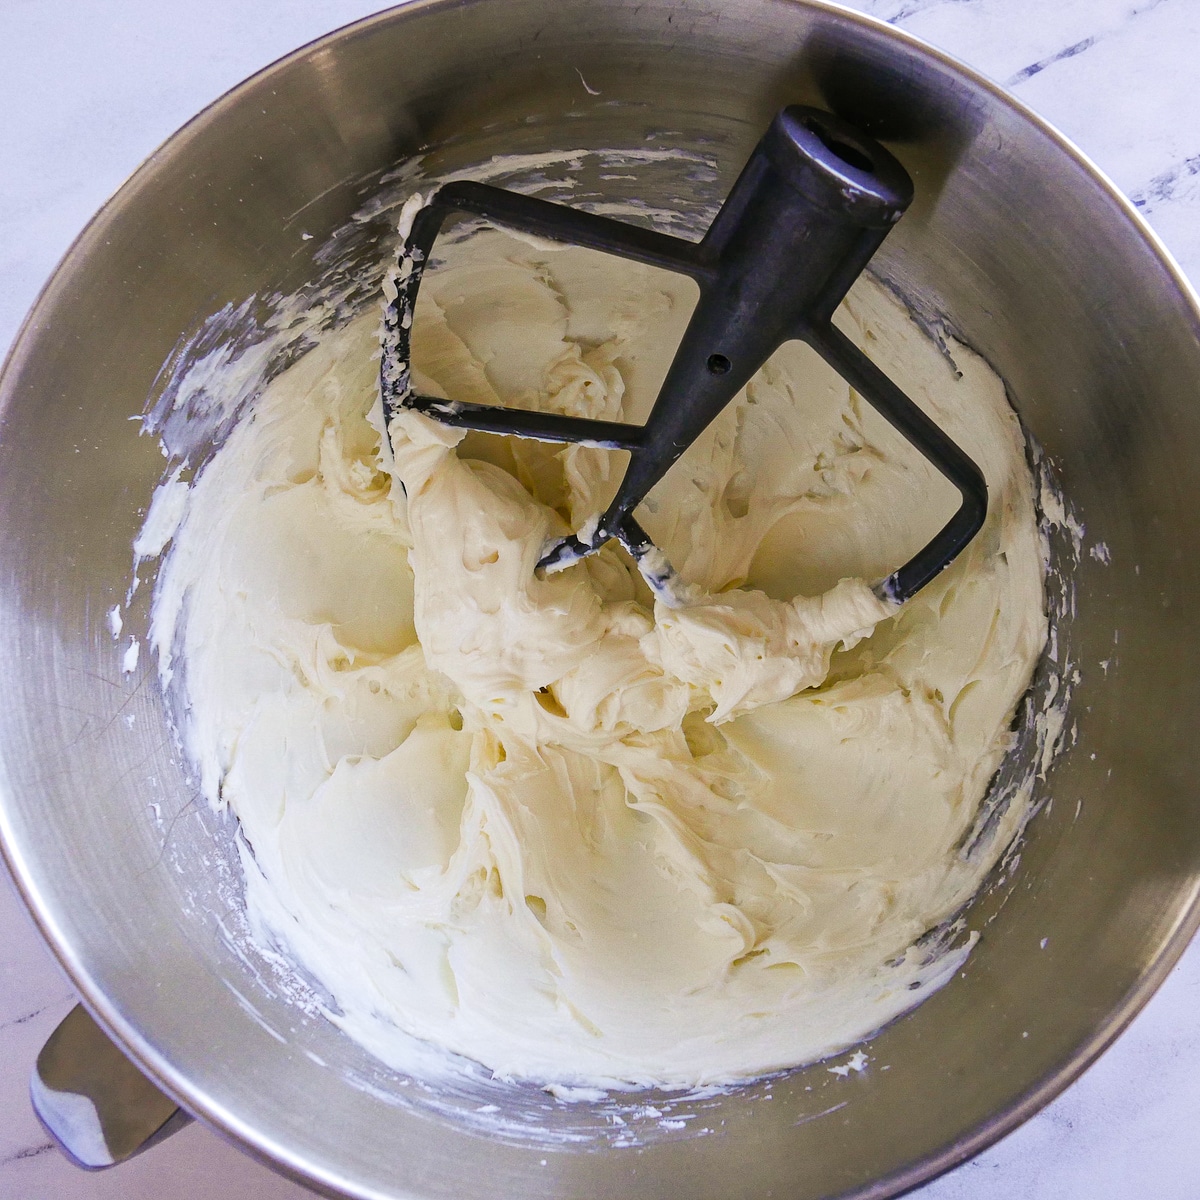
column 549, row 822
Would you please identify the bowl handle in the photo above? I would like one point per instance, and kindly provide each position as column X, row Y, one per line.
column 95, row 1104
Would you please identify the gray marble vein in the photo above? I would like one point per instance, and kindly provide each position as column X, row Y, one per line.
column 28, row 1152
column 1038, row 67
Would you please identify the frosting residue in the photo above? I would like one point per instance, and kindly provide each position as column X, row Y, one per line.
column 549, row 823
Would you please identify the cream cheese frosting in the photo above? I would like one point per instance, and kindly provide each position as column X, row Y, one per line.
column 550, row 823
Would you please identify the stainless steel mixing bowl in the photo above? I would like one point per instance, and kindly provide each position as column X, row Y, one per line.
column 1015, row 239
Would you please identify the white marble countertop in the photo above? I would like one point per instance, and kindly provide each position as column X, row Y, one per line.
column 89, row 87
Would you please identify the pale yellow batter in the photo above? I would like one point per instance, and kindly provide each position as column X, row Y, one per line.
column 546, row 823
